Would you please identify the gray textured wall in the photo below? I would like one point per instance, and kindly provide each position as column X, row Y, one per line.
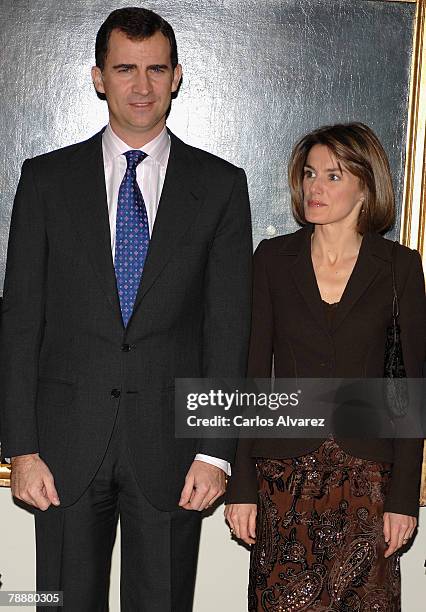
column 257, row 75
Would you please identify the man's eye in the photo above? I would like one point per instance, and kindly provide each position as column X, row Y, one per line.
column 124, row 69
column 157, row 69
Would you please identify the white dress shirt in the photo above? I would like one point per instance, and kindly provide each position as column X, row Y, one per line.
column 150, row 175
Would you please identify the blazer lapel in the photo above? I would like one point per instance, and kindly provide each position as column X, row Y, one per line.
column 304, row 275
column 372, row 254
column 179, row 203
column 87, row 203
column 368, row 265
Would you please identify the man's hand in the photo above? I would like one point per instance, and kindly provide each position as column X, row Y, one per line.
column 204, row 484
column 397, row 529
column 242, row 520
column 32, row 482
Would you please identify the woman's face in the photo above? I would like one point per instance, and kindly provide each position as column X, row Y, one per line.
column 331, row 194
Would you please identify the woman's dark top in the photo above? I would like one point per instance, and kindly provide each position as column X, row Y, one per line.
column 330, row 311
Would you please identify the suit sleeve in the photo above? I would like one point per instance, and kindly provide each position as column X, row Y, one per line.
column 403, row 495
column 242, row 487
column 22, row 319
column 227, row 299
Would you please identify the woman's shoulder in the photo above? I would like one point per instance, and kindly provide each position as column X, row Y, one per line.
column 286, row 243
column 406, row 262
column 402, row 255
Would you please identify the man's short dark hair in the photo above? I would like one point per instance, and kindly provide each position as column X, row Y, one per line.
column 137, row 24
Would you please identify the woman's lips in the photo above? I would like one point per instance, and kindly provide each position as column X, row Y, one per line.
column 315, row 203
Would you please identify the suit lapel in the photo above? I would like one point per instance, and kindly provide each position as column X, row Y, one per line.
column 304, row 276
column 87, row 204
column 372, row 255
column 178, row 206
column 368, row 265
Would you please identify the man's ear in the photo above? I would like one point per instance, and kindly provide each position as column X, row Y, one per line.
column 177, row 76
column 97, row 79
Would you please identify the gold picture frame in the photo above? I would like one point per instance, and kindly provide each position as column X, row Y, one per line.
column 4, row 475
column 413, row 221
column 414, row 204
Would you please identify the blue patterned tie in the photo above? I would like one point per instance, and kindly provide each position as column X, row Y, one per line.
column 132, row 236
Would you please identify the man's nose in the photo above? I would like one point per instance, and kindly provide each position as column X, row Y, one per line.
column 142, row 83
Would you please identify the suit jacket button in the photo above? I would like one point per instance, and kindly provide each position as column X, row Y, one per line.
column 125, row 347
column 115, row 393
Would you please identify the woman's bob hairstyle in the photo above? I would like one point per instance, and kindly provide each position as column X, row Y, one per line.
column 357, row 150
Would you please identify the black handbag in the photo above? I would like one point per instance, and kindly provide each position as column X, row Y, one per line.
column 395, row 387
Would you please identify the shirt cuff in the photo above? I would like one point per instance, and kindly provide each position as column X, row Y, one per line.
column 220, row 463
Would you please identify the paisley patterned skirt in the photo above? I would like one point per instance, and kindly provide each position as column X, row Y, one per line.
column 319, row 543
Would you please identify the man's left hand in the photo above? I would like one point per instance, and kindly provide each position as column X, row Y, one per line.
column 204, row 484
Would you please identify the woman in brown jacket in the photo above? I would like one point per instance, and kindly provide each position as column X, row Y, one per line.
column 326, row 517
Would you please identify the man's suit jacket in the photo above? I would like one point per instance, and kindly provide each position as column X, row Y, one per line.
column 289, row 324
column 68, row 364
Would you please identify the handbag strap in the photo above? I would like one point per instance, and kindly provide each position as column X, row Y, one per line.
column 395, row 303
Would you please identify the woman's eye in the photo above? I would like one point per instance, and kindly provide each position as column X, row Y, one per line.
column 334, row 177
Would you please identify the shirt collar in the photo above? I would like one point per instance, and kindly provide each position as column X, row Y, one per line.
column 157, row 149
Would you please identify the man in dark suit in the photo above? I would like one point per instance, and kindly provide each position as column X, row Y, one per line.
column 128, row 266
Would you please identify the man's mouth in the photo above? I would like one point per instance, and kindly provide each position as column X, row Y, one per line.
column 140, row 104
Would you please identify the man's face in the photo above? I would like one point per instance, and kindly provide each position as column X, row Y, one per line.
column 138, row 81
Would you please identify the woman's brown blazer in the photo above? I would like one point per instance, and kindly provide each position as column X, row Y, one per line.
column 289, row 326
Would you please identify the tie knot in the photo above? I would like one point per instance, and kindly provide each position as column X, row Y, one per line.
column 134, row 157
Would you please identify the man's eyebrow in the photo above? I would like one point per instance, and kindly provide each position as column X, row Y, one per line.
column 163, row 66
column 128, row 66
column 117, row 66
